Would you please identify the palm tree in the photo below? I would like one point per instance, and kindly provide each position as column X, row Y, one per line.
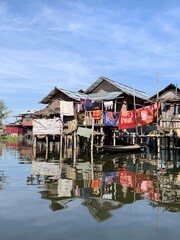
column 4, row 112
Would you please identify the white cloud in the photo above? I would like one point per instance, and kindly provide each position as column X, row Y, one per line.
column 70, row 44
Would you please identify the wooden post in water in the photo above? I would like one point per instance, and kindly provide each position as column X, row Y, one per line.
column 61, row 143
column 114, row 138
column 114, row 134
column 34, row 145
column 102, row 136
column 158, row 144
column 92, row 140
column 65, row 146
column 47, row 146
column 74, row 146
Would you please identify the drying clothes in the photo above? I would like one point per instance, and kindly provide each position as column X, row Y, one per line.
column 66, row 108
column 126, row 120
column 108, row 105
column 84, row 132
column 71, row 126
column 147, row 115
column 79, row 107
column 86, row 104
column 97, row 114
column 110, row 118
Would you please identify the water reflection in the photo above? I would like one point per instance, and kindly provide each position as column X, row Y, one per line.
column 111, row 183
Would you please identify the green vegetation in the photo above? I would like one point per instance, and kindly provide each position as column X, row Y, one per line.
column 4, row 112
column 9, row 139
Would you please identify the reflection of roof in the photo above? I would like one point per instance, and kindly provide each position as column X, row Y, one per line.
column 59, row 204
column 100, row 208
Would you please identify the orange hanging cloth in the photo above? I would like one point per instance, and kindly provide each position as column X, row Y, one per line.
column 97, row 114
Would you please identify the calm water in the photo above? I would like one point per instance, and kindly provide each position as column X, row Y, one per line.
column 121, row 196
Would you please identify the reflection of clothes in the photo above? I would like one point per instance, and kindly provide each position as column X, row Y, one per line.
column 108, row 105
column 109, row 178
column 110, row 119
column 95, row 183
column 126, row 178
column 65, row 187
column 87, row 192
column 66, row 108
column 146, row 186
column 107, row 196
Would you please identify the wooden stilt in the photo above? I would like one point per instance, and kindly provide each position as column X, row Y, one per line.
column 47, row 146
column 34, row 145
column 74, row 146
column 114, row 138
column 61, row 143
column 158, row 144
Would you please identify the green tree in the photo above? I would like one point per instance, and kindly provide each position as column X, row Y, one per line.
column 4, row 112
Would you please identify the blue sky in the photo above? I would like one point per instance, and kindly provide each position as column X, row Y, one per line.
column 70, row 43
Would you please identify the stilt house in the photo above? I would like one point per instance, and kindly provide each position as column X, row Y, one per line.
column 169, row 119
column 67, row 110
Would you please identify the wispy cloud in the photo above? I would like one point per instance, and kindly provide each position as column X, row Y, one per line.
column 70, row 44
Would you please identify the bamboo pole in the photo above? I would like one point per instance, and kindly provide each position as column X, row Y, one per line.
column 92, row 140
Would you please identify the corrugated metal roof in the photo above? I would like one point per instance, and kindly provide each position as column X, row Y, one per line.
column 93, row 96
column 78, row 96
column 97, row 96
column 121, row 87
column 74, row 95
column 104, row 96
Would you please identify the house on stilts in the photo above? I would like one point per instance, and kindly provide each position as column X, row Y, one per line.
column 69, row 115
column 169, row 117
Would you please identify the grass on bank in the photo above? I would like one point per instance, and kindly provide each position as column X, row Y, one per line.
column 9, row 139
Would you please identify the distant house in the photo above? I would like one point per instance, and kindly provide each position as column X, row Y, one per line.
column 14, row 129
column 26, row 120
column 169, row 119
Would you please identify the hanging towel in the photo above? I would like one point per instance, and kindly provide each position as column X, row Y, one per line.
column 84, row 132
column 108, row 105
column 110, row 118
column 66, row 108
column 126, row 120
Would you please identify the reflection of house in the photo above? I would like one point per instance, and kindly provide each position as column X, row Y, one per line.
column 101, row 208
column 170, row 188
column 45, row 169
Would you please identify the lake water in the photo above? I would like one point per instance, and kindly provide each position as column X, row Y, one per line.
column 119, row 196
